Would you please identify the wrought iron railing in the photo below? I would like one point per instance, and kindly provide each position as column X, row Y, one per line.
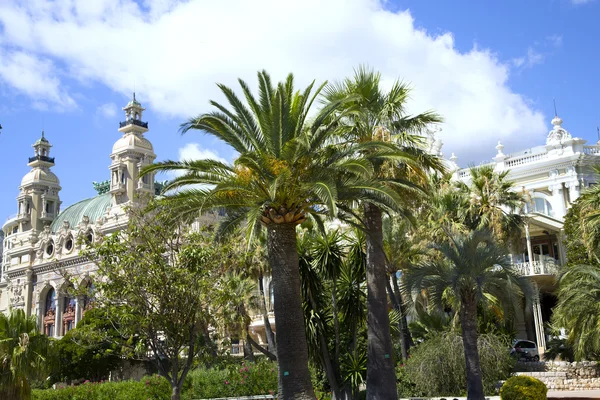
column 537, row 267
column 41, row 158
column 133, row 122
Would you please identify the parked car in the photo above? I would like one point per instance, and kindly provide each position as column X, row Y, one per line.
column 525, row 350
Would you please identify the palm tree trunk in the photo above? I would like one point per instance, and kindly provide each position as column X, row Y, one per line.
column 336, row 322
column 468, row 321
column 248, row 351
column 292, row 348
column 268, row 329
column 406, row 331
column 396, row 304
column 381, row 377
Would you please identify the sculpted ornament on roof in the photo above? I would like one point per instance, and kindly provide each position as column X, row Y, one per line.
column 558, row 134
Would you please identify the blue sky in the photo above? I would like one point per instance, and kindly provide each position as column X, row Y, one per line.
column 490, row 68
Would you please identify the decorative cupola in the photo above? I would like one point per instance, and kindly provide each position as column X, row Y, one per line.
column 38, row 200
column 131, row 153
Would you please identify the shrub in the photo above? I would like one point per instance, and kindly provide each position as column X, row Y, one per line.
column 437, row 366
column 150, row 387
column 244, row 379
column 523, row 388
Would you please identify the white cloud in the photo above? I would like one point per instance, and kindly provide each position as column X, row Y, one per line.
column 175, row 60
column 193, row 151
column 34, row 77
column 107, row 110
column 528, row 60
column 578, row 2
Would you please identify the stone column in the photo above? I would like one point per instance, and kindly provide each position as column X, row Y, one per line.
column 529, row 249
column 538, row 322
column 28, row 291
column 558, row 200
column 574, row 191
column 58, row 316
column 78, row 304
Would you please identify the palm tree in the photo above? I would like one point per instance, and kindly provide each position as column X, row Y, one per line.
column 375, row 116
column 23, row 354
column 287, row 171
column 493, row 204
column 587, row 222
column 471, row 268
column 578, row 309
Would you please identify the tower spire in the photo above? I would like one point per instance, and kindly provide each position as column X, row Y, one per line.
column 554, row 100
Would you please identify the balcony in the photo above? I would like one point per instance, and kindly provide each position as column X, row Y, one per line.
column 547, row 266
column 41, row 158
column 133, row 122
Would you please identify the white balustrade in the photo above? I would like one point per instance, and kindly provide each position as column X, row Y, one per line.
column 526, row 159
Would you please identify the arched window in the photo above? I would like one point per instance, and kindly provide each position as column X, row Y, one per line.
column 89, row 237
column 539, row 205
column 68, row 310
column 88, row 299
column 50, row 312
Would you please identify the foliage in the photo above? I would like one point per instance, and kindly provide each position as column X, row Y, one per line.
column 578, row 252
column 90, row 351
column 559, row 348
column 473, row 270
column 23, row 354
column 148, row 388
column 523, row 388
column 584, row 222
column 288, row 171
column 163, row 287
column 235, row 380
column 437, row 366
column 578, row 310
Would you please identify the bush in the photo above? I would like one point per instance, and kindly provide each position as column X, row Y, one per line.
column 437, row 366
column 244, row 379
column 150, row 387
column 523, row 388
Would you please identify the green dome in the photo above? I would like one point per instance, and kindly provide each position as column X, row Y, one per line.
column 93, row 208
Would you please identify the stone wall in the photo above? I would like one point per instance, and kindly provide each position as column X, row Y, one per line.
column 562, row 375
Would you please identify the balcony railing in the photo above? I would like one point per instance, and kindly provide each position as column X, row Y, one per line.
column 538, row 267
column 133, row 122
column 591, row 150
column 41, row 158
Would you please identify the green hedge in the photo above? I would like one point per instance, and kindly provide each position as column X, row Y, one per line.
column 523, row 388
column 149, row 388
column 246, row 379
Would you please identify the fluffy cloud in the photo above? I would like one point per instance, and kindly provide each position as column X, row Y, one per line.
column 193, row 151
column 175, row 51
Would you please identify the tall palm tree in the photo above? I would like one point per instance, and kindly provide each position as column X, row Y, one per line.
column 23, row 354
column 578, row 309
column 378, row 116
column 471, row 268
column 287, row 171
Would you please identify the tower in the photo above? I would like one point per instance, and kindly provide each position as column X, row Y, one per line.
column 129, row 155
column 38, row 200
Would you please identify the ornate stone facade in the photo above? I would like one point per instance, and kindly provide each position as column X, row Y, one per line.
column 41, row 241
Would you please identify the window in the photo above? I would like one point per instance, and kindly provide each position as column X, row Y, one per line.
column 146, row 179
column 49, row 312
column 539, row 205
column 89, row 237
column 50, row 248
column 49, row 207
column 69, row 243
